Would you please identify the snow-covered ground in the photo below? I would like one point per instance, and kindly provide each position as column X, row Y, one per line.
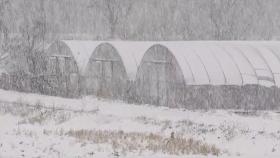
column 33, row 125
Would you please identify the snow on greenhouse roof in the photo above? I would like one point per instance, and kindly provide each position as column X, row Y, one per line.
column 201, row 62
column 228, row 62
column 131, row 54
column 82, row 50
column 79, row 50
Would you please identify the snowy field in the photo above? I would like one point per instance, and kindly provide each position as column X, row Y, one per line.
column 42, row 126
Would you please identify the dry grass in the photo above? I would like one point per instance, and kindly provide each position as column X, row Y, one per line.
column 139, row 142
column 184, row 126
column 35, row 114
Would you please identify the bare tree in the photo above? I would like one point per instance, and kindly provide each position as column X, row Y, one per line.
column 26, row 48
column 183, row 19
column 220, row 16
column 33, row 32
column 3, row 27
column 114, row 11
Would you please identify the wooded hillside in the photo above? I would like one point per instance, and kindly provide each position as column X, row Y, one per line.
column 145, row 19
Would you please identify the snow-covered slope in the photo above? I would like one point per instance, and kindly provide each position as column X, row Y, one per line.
column 33, row 125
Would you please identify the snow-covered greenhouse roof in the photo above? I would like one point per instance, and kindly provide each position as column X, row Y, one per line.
column 228, row 63
column 81, row 51
column 201, row 62
column 131, row 53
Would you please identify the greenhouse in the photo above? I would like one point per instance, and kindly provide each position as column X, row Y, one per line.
column 112, row 69
column 208, row 74
column 66, row 64
column 221, row 74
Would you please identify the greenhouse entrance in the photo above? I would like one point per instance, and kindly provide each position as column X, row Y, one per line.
column 156, row 80
column 159, row 80
column 105, row 74
column 62, row 72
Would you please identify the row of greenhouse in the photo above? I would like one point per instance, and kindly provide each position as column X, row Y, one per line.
column 197, row 74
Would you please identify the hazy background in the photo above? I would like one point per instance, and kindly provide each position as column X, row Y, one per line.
column 142, row 19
